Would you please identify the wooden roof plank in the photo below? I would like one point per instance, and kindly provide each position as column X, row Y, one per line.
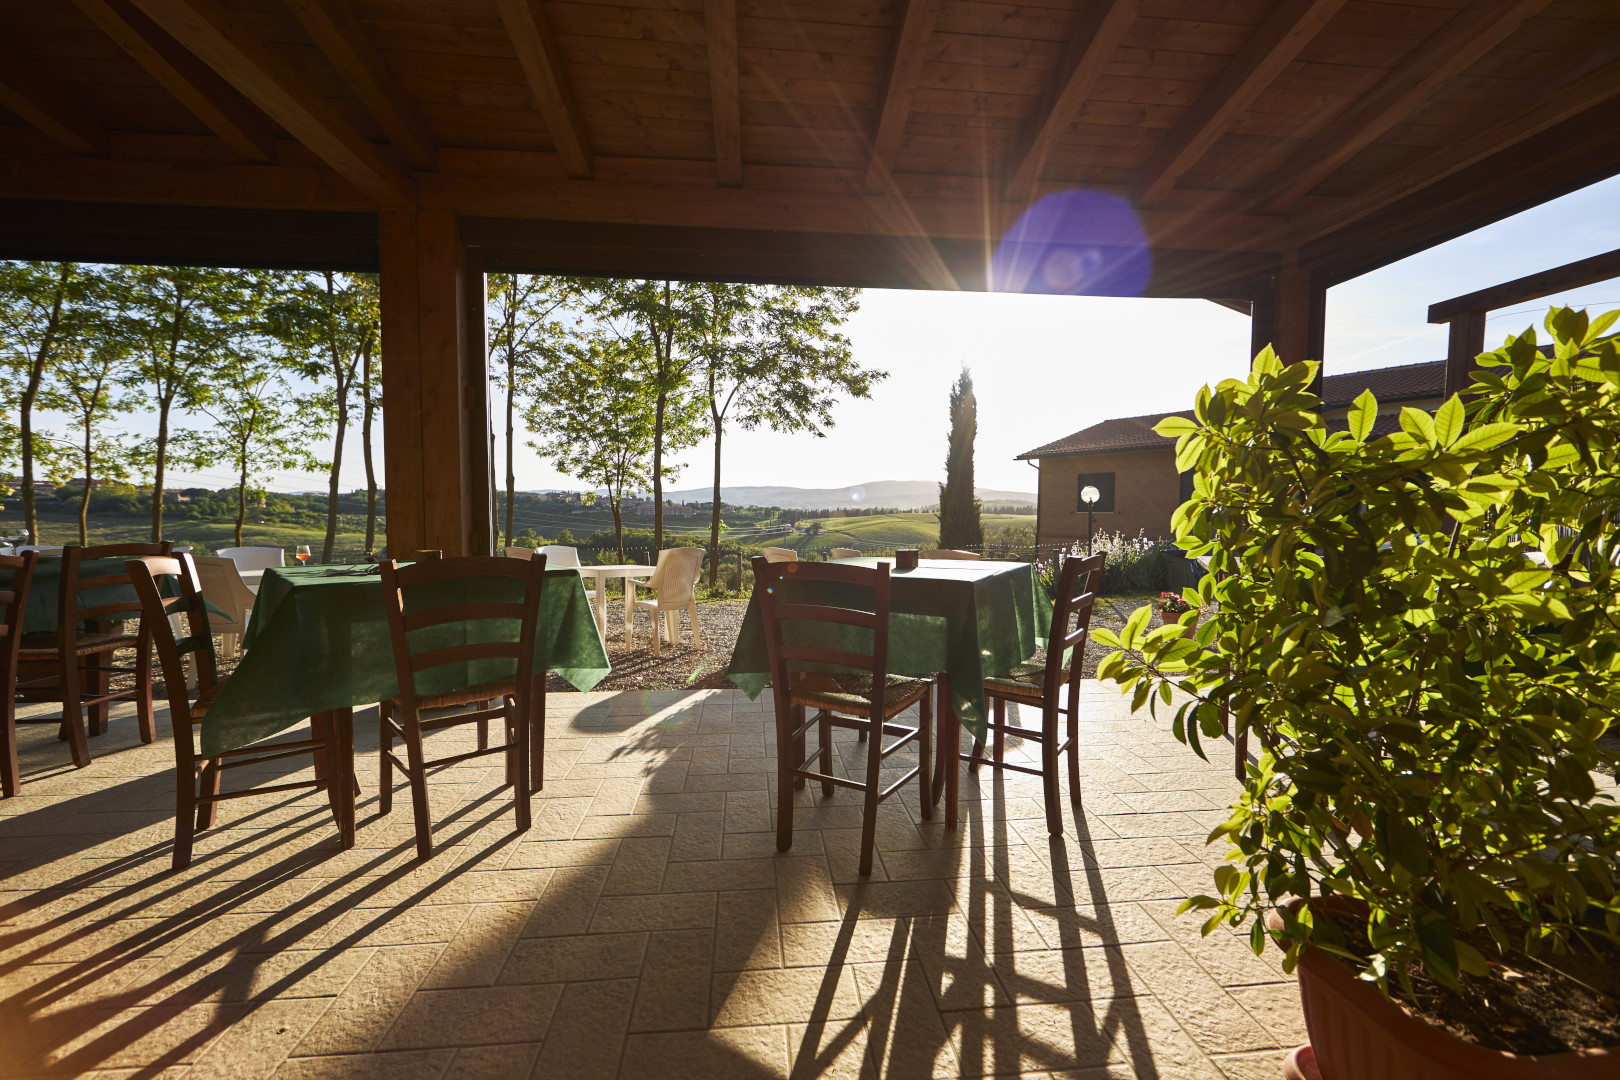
column 542, row 66
column 1461, row 43
column 1286, row 31
column 213, row 34
column 1557, row 106
column 31, row 97
column 346, row 44
column 916, row 26
column 720, row 26
column 1101, row 32
column 192, row 83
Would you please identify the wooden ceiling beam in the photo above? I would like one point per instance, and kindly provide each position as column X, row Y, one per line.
column 1268, row 51
column 536, row 49
column 31, row 97
column 1564, row 103
column 204, row 94
column 219, row 40
column 905, row 67
column 346, row 45
column 720, row 28
column 1101, row 30
column 1460, row 44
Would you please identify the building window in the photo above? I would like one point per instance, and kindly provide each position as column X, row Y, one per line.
column 1104, row 483
column 1186, row 485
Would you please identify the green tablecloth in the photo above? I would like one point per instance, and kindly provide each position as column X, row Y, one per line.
column 969, row 619
column 318, row 642
column 44, row 592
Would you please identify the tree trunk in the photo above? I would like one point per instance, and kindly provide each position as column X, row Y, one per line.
column 89, row 478
column 340, row 388
column 36, row 375
column 714, row 519
column 618, row 529
column 511, row 394
column 158, row 461
column 665, row 362
column 365, row 440
column 241, row 492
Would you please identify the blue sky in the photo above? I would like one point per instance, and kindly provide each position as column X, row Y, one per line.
column 1046, row 366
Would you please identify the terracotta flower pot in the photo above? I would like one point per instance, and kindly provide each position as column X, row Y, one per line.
column 1358, row 1034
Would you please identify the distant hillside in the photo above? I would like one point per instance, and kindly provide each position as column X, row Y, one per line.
column 901, row 494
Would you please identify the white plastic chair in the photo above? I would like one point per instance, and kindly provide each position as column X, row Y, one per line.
column 846, row 553
column 948, row 553
column 780, row 555
column 674, row 580
column 255, row 558
column 223, row 587
column 561, row 556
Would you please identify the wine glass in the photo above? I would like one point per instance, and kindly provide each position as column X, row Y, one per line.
column 302, row 554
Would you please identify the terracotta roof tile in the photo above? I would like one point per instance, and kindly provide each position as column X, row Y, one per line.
column 1403, row 383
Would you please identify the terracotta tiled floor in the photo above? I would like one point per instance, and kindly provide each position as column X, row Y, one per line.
column 645, row 926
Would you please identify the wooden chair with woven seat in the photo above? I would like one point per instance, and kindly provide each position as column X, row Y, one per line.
column 419, row 598
column 197, row 777
column 19, row 576
column 1042, row 686
column 85, row 642
column 867, row 699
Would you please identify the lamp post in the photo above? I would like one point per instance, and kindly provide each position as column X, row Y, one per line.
column 1089, row 495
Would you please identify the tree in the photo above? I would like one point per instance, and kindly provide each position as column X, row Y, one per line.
column 181, row 320
column 773, row 356
column 91, row 386
column 597, row 420
column 42, row 310
column 959, row 525
column 258, row 426
column 330, row 323
column 370, row 402
column 661, row 315
column 527, row 340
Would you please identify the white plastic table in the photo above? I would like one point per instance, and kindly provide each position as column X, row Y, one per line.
column 604, row 573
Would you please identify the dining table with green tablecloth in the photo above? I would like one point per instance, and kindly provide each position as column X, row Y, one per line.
column 318, row 642
column 968, row 619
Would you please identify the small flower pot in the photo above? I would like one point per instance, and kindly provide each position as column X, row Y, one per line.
column 1357, row 1033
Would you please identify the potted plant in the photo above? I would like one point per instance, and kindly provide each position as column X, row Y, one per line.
column 1171, row 606
column 1421, row 632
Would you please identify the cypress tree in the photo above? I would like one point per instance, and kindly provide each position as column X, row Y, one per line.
column 959, row 525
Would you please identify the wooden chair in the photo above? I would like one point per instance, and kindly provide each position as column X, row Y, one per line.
column 845, row 553
column 87, row 638
column 408, row 593
column 19, row 571
column 867, row 700
column 1041, row 686
column 222, row 586
column 197, row 778
column 674, row 584
column 948, row 553
column 776, row 554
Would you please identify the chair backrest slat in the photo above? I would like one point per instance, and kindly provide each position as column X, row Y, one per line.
column 775, row 584
column 403, row 587
column 179, row 575
column 20, row 571
column 1076, row 597
column 69, row 611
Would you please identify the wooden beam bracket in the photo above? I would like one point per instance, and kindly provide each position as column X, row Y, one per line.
column 527, row 26
column 900, row 83
column 34, row 99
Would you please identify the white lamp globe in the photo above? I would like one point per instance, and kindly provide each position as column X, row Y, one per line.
column 1089, row 495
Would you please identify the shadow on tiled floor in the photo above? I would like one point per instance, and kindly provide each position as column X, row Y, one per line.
column 645, row 926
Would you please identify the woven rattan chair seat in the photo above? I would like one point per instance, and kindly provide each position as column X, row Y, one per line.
column 466, row 695
column 45, row 643
column 843, row 692
column 1023, row 681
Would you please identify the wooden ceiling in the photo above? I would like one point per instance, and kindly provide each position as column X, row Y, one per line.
column 867, row 141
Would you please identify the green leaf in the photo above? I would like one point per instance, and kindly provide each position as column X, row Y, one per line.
column 1418, row 424
column 1363, row 414
column 1448, row 420
column 1485, row 437
column 1172, row 427
column 1257, row 937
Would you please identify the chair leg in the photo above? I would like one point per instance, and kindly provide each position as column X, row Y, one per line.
column 418, row 775
column 72, row 714
column 1049, row 769
column 691, row 613
column 10, row 775
column 784, row 776
column 343, row 766
column 98, row 683
column 925, row 766
column 874, row 765
column 185, row 814
column 537, row 734
column 143, row 689
column 1000, row 744
column 1074, row 752
column 824, row 742
column 208, row 812
column 798, row 746
column 521, row 727
column 385, row 746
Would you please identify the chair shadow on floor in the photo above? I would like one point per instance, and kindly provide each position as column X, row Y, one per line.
column 103, row 967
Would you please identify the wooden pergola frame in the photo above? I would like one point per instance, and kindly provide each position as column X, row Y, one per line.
column 1268, row 150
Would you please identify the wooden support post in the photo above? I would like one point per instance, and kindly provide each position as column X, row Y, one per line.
column 1467, row 340
column 435, row 388
column 1290, row 315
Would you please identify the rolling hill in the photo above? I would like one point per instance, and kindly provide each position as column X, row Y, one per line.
column 900, row 494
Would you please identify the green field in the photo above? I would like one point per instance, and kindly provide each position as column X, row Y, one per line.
column 211, row 535
column 884, row 531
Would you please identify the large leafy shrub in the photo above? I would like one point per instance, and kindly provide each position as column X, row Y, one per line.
column 1421, row 630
